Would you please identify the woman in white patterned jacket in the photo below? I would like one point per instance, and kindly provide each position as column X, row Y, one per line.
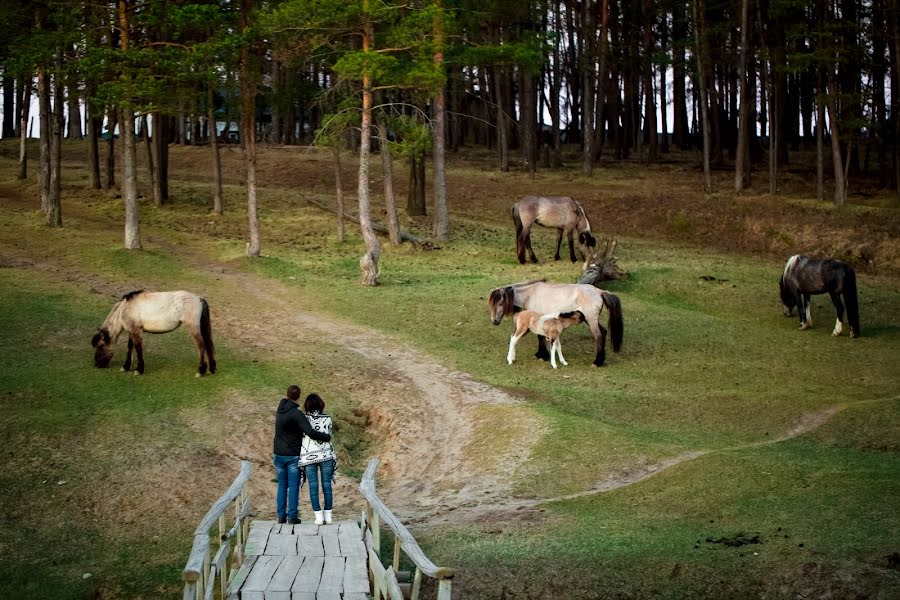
column 318, row 458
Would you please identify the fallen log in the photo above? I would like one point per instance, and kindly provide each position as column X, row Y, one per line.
column 404, row 235
column 602, row 264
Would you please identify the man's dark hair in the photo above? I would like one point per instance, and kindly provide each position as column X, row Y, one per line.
column 293, row 392
column 313, row 403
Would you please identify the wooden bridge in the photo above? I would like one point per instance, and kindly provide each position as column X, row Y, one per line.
column 272, row 561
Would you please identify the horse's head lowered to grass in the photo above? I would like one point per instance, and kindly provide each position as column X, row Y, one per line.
column 103, row 349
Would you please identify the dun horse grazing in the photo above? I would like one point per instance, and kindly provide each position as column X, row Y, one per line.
column 549, row 326
column 804, row 276
column 154, row 312
column 557, row 298
column 561, row 212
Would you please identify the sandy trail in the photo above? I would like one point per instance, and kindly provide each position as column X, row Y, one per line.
column 422, row 411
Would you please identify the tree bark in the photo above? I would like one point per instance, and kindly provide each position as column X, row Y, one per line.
column 248, row 131
column 679, row 92
column 218, row 206
column 742, row 153
column 9, row 111
column 368, row 263
column 148, row 149
column 73, row 130
column 54, row 205
column 93, row 124
column 415, row 198
column 588, row 34
column 112, row 121
column 649, row 96
column 24, row 112
column 129, row 158
column 555, row 155
column 700, row 32
column 502, row 127
column 339, row 191
column 45, row 110
column 441, row 229
column 387, row 165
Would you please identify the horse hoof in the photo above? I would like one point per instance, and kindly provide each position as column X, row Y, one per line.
column 197, row 375
column 804, row 326
column 123, row 370
column 137, row 373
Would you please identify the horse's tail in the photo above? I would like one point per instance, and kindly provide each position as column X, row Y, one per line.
column 851, row 300
column 517, row 219
column 616, row 325
column 206, row 333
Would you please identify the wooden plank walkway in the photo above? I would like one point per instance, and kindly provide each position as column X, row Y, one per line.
column 302, row 562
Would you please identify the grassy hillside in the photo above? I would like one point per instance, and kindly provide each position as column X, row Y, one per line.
column 107, row 474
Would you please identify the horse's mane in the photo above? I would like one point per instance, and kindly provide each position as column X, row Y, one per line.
column 131, row 294
column 524, row 283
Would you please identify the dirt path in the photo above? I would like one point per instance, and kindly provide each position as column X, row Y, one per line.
column 424, row 414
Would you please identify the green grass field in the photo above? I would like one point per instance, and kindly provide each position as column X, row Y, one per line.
column 708, row 366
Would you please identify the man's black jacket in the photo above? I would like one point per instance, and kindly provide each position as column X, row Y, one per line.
column 290, row 425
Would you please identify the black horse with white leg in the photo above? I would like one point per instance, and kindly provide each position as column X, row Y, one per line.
column 155, row 312
column 804, row 276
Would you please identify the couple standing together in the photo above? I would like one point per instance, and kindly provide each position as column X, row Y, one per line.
column 303, row 451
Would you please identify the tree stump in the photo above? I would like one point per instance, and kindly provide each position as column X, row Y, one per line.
column 602, row 265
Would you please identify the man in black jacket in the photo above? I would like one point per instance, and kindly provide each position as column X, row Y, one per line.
column 290, row 425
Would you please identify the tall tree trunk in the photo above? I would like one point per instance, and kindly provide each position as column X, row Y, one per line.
column 588, row 34
column 742, row 153
column 441, row 229
column 368, row 263
column 24, row 110
column 663, row 101
column 248, row 130
column 93, row 125
column 112, row 120
column 339, row 191
column 218, row 206
column 679, row 92
column 387, row 165
column 649, row 96
column 820, row 135
column 54, row 205
column 502, row 126
column 600, row 102
column 415, row 198
column 556, row 155
column 160, row 150
column 9, row 111
column 895, row 91
column 700, row 32
column 129, row 158
column 73, row 130
column 529, row 120
column 148, row 149
column 45, row 110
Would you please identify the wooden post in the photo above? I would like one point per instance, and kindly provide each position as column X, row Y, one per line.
column 444, row 586
column 416, row 585
column 376, row 533
column 396, row 562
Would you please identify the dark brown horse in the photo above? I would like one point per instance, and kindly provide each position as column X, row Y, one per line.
column 804, row 276
column 561, row 212
column 155, row 312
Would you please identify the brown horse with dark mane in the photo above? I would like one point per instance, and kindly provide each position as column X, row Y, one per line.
column 155, row 312
column 561, row 212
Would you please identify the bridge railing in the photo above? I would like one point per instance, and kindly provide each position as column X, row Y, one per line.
column 385, row 580
column 204, row 569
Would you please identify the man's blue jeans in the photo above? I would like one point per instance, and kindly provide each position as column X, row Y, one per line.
column 312, row 474
column 288, row 469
